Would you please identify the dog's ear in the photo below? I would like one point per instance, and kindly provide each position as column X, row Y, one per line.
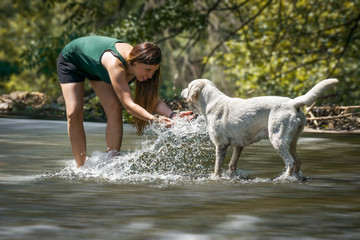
column 194, row 91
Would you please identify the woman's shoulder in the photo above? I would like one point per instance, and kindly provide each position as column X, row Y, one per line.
column 124, row 49
column 111, row 63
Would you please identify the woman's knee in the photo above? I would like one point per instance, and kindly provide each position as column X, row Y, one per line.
column 75, row 115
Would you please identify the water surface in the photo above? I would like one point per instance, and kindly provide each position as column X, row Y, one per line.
column 160, row 187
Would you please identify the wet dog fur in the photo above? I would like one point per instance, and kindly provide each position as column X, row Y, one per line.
column 240, row 122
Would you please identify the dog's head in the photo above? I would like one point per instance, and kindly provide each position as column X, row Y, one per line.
column 191, row 93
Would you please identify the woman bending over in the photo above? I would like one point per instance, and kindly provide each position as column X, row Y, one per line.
column 111, row 65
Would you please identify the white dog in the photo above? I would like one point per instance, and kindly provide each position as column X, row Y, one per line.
column 240, row 122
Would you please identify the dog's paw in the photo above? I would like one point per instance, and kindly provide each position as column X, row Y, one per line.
column 286, row 178
column 215, row 176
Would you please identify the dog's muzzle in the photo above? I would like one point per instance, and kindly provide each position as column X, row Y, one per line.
column 185, row 93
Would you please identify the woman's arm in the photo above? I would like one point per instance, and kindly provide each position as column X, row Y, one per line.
column 163, row 109
column 119, row 82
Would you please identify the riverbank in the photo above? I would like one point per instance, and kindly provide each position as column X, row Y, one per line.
column 36, row 105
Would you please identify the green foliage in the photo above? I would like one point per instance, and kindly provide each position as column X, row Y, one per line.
column 156, row 21
column 249, row 48
column 292, row 45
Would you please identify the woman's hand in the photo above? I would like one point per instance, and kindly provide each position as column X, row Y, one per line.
column 169, row 122
column 163, row 120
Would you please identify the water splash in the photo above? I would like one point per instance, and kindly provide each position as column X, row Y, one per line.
column 181, row 154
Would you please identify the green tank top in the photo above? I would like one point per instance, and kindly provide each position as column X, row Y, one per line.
column 86, row 53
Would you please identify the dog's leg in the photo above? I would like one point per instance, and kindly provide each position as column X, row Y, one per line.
column 300, row 127
column 220, row 155
column 297, row 161
column 281, row 146
column 288, row 160
column 294, row 153
column 284, row 131
column 234, row 159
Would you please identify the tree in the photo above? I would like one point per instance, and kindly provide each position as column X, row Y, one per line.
column 290, row 45
column 248, row 48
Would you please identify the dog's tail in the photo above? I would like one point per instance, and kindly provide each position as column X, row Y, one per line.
column 314, row 93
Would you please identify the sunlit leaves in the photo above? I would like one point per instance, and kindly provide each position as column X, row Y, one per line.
column 250, row 47
column 294, row 44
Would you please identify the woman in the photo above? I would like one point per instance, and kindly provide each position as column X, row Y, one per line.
column 110, row 65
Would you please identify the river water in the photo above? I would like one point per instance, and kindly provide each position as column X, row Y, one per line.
column 160, row 187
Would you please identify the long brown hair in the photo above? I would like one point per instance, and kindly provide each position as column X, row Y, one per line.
column 147, row 92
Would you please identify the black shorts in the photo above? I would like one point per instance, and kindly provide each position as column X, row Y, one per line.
column 69, row 73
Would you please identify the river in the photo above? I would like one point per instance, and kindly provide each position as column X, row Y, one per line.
column 160, row 187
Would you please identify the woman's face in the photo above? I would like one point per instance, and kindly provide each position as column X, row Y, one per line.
column 144, row 72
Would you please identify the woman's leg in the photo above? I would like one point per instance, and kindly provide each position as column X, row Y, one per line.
column 73, row 95
column 113, row 110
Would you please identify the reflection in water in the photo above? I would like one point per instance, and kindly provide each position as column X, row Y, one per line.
column 159, row 187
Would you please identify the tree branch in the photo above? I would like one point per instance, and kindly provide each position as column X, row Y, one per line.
column 231, row 34
column 299, row 66
column 213, row 8
column 170, row 36
column 347, row 43
column 234, row 7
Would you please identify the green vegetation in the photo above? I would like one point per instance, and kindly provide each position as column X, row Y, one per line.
column 248, row 48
